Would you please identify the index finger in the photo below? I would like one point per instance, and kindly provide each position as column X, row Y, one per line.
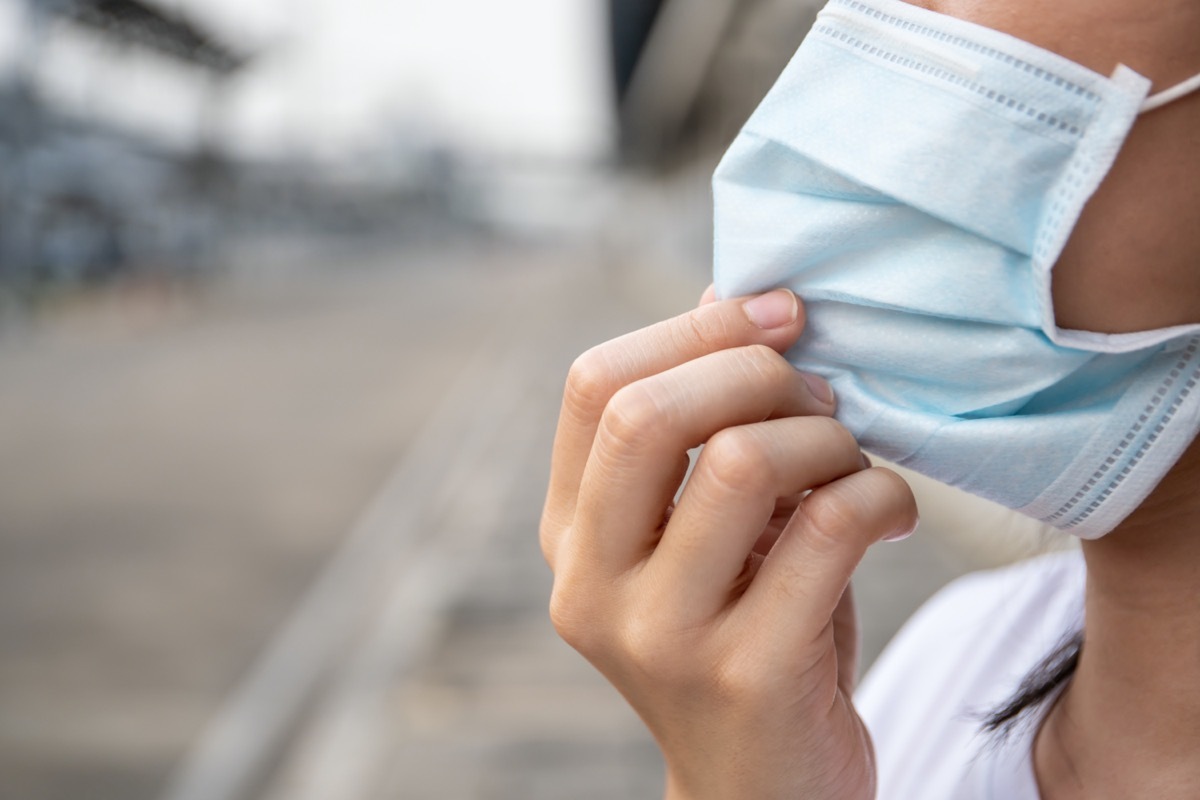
column 774, row 319
column 798, row 587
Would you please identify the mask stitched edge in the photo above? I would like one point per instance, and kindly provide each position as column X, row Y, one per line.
column 975, row 46
column 1118, row 453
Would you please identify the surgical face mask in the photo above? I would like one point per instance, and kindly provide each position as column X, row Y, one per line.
column 914, row 177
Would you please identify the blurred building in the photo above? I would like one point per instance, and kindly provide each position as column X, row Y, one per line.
column 686, row 75
column 82, row 197
column 689, row 72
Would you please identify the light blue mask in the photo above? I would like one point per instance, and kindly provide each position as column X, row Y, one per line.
column 914, row 177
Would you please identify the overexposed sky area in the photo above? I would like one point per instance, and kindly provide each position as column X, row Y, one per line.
column 335, row 77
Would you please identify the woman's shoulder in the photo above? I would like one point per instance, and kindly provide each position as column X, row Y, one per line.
column 962, row 654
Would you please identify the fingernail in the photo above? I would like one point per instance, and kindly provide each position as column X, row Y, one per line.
column 902, row 535
column 819, row 387
column 773, row 309
column 866, row 460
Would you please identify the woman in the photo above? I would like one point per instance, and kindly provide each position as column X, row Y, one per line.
column 725, row 618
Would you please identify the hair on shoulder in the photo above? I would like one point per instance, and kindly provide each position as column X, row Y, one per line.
column 1046, row 678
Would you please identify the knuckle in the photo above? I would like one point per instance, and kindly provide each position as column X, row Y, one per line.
column 740, row 680
column 733, row 460
column 642, row 643
column 831, row 517
column 711, row 331
column 570, row 619
column 766, row 369
column 895, row 485
column 589, row 383
column 546, row 537
column 839, row 435
column 549, row 533
column 663, row 655
column 768, row 363
column 631, row 416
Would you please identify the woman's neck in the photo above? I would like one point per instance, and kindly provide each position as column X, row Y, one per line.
column 1128, row 725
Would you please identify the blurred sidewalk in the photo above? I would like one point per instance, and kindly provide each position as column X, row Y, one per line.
column 279, row 539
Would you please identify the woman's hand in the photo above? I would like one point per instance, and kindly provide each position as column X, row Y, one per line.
column 725, row 619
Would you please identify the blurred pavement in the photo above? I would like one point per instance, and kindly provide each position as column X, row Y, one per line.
column 277, row 539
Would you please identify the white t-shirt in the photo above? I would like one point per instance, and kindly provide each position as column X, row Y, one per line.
column 960, row 656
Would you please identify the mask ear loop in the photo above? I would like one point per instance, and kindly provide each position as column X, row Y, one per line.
column 1167, row 95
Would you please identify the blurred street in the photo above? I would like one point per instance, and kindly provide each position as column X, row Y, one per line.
column 278, row 538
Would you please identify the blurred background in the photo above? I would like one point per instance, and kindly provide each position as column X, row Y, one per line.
column 288, row 289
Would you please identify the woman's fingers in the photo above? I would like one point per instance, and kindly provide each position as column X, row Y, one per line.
column 729, row 501
column 774, row 319
column 649, row 425
column 798, row 587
